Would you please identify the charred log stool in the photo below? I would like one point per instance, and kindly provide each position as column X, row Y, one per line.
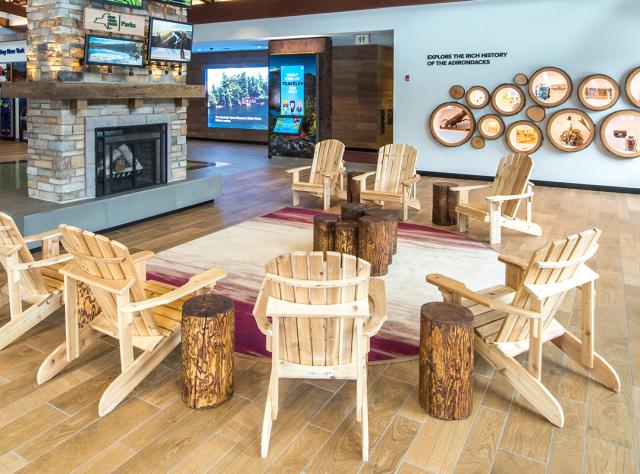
column 324, row 227
column 374, row 244
column 391, row 217
column 446, row 361
column 208, row 323
column 347, row 237
column 352, row 211
column 353, row 187
column 444, row 204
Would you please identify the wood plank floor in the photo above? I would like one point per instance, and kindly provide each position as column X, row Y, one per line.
column 55, row 427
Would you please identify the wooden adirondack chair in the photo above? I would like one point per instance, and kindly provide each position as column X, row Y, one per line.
column 509, row 189
column 520, row 316
column 323, row 311
column 327, row 174
column 396, row 178
column 139, row 313
column 36, row 282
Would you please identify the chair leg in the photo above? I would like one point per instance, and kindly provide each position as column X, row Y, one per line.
column 274, row 389
column 58, row 360
column 296, row 198
column 326, row 198
column 267, row 421
column 463, row 222
column 365, row 423
column 405, row 210
column 601, row 371
column 495, row 231
column 28, row 319
column 359, row 390
column 135, row 373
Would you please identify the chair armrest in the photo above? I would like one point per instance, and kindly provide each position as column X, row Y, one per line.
column 8, row 250
column 411, row 181
column 364, row 176
column 377, row 299
column 515, row 262
column 508, row 198
column 142, row 256
column 42, row 263
column 582, row 276
column 50, row 234
column 471, row 187
column 194, row 284
column 297, row 170
column 260, row 311
column 459, row 289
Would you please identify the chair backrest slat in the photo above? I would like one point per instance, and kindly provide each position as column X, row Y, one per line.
column 396, row 163
column 327, row 158
column 572, row 248
column 512, row 177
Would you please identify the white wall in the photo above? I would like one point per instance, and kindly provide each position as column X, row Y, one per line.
column 580, row 36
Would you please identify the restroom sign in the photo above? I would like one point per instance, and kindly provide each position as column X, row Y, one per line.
column 112, row 22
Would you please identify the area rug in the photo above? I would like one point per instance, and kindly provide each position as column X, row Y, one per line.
column 243, row 249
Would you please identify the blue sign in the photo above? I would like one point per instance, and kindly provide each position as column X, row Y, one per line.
column 292, row 90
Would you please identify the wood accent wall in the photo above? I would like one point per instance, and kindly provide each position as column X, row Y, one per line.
column 197, row 111
column 362, row 89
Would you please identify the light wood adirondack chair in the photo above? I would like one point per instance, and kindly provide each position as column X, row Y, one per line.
column 327, row 174
column 396, row 178
column 36, row 282
column 139, row 313
column 520, row 316
column 323, row 311
column 509, row 189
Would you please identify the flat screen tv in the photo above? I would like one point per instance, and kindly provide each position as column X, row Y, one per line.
column 126, row 3
column 170, row 41
column 238, row 97
column 179, row 3
column 288, row 125
column 104, row 51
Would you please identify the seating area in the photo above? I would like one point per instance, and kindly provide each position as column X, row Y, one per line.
column 318, row 237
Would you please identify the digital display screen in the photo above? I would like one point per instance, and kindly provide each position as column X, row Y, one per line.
column 126, row 3
column 170, row 41
column 292, row 90
column 238, row 97
column 288, row 125
column 101, row 50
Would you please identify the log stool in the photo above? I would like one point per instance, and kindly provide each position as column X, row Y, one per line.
column 352, row 211
column 324, row 227
column 444, row 204
column 208, row 323
column 446, row 360
column 347, row 237
column 391, row 217
column 353, row 187
column 374, row 244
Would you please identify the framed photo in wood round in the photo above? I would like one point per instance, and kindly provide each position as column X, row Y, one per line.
column 508, row 99
column 619, row 133
column 632, row 87
column 570, row 130
column 524, row 137
column 457, row 92
column 452, row 124
column 477, row 97
column 598, row 92
column 550, row 86
column 521, row 79
column 490, row 126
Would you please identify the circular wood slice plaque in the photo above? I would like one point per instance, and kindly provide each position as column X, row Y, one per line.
column 536, row 113
column 477, row 142
column 457, row 92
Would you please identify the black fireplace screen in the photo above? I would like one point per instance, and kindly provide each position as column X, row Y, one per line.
column 129, row 158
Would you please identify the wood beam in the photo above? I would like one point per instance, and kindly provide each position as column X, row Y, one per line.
column 254, row 9
column 95, row 90
column 13, row 9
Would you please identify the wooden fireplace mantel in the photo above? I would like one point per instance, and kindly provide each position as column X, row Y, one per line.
column 54, row 90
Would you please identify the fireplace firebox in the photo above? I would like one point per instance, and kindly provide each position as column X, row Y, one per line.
column 129, row 158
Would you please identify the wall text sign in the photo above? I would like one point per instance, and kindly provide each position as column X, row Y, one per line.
column 112, row 22
column 13, row 51
column 464, row 59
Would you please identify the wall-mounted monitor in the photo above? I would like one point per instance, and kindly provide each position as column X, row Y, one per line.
column 288, row 125
column 104, row 51
column 126, row 3
column 170, row 41
column 238, row 97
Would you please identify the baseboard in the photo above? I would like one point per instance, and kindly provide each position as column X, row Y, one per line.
column 537, row 182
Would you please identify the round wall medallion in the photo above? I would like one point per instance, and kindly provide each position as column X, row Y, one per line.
column 507, row 99
column 452, row 124
column 477, row 142
column 632, row 87
column 619, row 133
column 457, row 92
column 477, row 97
column 570, row 130
column 536, row 113
column 490, row 126
column 524, row 137
column 550, row 86
column 598, row 92
column 521, row 79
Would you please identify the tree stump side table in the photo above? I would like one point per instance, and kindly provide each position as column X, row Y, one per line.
column 446, row 361
column 352, row 211
column 391, row 217
column 374, row 244
column 208, row 324
column 444, row 204
column 353, row 187
column 324, row 229
column 347, row 237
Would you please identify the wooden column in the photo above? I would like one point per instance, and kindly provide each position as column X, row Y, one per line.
column 347, row 237
column 324, row 227
column 444, row 204
column 208, row 324
column 352, row 211
column 446, row 361
column 353, row 187
column 389, row 216
column 374, row 244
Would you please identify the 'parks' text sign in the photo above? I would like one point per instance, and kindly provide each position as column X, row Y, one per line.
column 112, row 22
